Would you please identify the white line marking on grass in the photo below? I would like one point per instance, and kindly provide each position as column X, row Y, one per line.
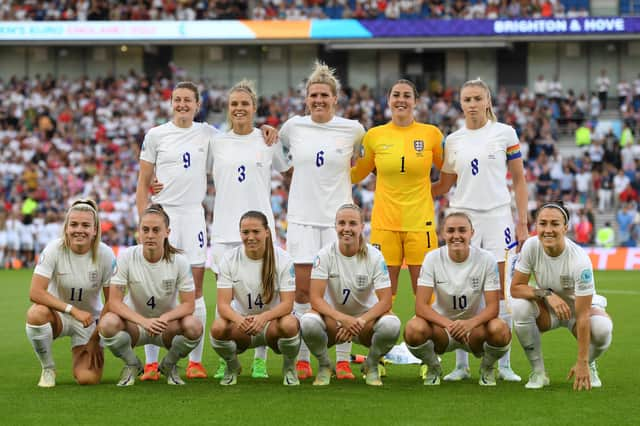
column 630, row 292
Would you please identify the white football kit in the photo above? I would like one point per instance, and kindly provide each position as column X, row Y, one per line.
column 352, row 281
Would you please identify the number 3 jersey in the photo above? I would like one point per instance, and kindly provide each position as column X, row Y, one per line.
column 321, row 155
column 459, row 287
column 180, row 157
column 76, row 278
column 479, row 158
column 352, row 281
column 402, row 157
column 153, row 288
column 244, row 276
column 242, row 167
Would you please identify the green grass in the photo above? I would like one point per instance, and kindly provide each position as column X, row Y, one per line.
column 402, row 401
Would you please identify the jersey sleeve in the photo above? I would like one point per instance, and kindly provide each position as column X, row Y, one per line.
column 280, row 162
column 320, row 269
column 438, row 154
column 209, row 164
column 149, row 149
column 513, row 144
column 283, row 134
column 286, row 274
column 121, row 275
column 492, row 276
column 583, row 279
column 448, row 161
column 366, row 162
column 427, row 271
column 184, row 280
column 108, row 265
column 47, row 261
column 380, row 272
column 526, row 260
column 225, row 279
column 358, row 134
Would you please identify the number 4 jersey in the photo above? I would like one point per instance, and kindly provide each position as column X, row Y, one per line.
column 459, row 287
column 153, row 288
column 243, row 276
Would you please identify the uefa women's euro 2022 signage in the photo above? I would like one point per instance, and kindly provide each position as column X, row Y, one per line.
column 320, row 29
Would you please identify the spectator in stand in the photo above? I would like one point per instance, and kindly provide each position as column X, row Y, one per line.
column 620, row 183
column 628, row 195
column 624, row 219
column 624, row 90
column 606, row 237
column 603, row 83
column 583, row 231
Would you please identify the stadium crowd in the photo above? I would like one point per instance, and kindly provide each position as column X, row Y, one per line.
column 61, row 139
column 104, row 10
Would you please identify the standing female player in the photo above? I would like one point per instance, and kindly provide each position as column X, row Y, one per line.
column 321, row 147
column 65, row 289
column 242, row 165
column 465, row 313
column 256, row 288
column 478, row 157
column 178, row 154
column 564, row 297
column 158, row 308
column 402, row 153
column 350, row 299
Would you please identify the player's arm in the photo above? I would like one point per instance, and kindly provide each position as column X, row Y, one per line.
column 516, row 168
column 444, row 184
column 520, row 288
column 382, row 307
column 224, row 298
column 269, row 134
column 145, row 178
column 365, row 164
column 318, row 304
column 117, row 306
column 39, row 294
column 583, row 334
column 282, row 309
column 186, row 307
column 425, row 311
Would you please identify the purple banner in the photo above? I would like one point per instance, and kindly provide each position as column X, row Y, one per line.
column 501, row 27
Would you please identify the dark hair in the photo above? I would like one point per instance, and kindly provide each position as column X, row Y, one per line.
column 83, row 205
column 188, row 85
column 410, row 83
column 169, row 250
column 556, row 205
column 362, row 248
column 268, row 259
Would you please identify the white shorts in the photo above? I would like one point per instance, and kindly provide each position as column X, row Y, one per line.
column 145, row 338
column 494, row 230
column 218, row 250
column 13, row 242
column 454, row 344
column 26, row 243
column 3, row 239
column 189, row 232
column 597, row 301
column 305, row 241
column 73, row 328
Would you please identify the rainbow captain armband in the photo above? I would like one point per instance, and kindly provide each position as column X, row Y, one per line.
column 513, row 152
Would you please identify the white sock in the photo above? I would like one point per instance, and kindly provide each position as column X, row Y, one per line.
column 601, row 336
column 314, row 334
column 41, row 338
column 151, row 353
column 426, row 353
column 505, row 315
column 492, row 354
column 180, row 347
column 120, row 346
column 289, row 347
column 227, row 349
column 524, row 324
column 260, row 353
column 462, row 359
column 385, row 334
column 343, row 352
column 200, row 313
column 299, row 309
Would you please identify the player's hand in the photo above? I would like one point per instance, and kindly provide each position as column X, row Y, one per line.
column 156, row 326
column 581, row 372
column 269, row 134
column 156, row 186
column 257, row 324
column 357, row 327
column 559, row 306
column 350, row 324
column 343, row 335
column 460, row 330
column 83, row 316
column 522, row 233
column 96, row 354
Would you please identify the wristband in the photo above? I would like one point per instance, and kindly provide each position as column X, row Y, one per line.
column 68, row 308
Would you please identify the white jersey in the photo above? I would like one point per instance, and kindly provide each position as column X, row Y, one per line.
column 244, row 276
column 181, row 158
column 75, row 278
column 459, row 287
column 153, row 288
column 242, row 173
column 568, row 275
column 352, row 281
column 479, row 158
column 321, row 157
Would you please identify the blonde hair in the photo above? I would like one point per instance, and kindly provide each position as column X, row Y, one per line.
column 323, row 74
column 83, row 205
column 268, row 275
column 246, row 86
column 459, row 214
column 478, row 82
column 362, row 245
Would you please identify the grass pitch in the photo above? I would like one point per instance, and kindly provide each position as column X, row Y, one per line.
column 403, row 400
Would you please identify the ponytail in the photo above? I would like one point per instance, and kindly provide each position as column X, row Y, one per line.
column 268, row 274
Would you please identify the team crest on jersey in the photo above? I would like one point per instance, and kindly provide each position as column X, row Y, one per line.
column 93, row 278
column 168, row 285
column 566, row 281
column 475, row 284
column 361, row 281
column 418, row 145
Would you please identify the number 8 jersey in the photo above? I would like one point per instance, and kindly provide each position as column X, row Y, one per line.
column 459, row 287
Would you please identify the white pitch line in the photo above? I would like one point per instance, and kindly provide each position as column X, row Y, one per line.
column 631, row 292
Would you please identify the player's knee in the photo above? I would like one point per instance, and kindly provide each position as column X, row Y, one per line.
column 87, row 377
column 388, row 326
column 219, row 329
column 191, row 327
column 109, row 324
column 601, row 330
column 38, row 315
column 498, row 333
column 416, row 331
column 524, row 310
column 288, row 326
column 311, row 324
